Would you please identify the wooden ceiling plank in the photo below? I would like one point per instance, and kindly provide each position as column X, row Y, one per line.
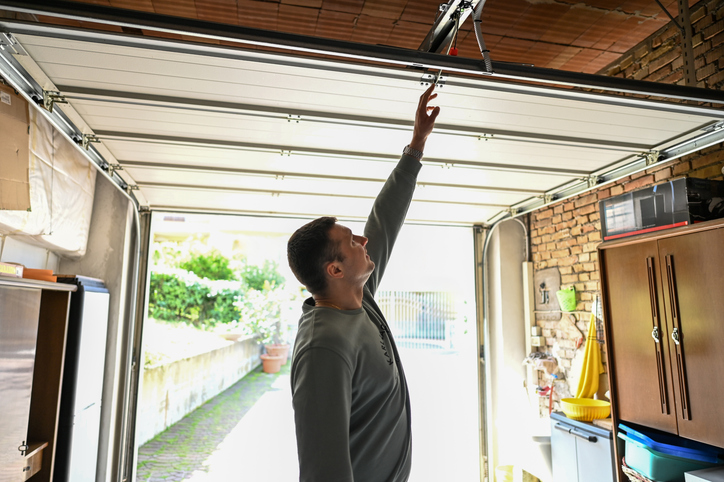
column 368, row 28
column 572, row 25
column 220, row 11
column 256, row 14
column 177, row 8
column 346, row 6
column 422, row 12
column 384, row 9
column 335, row 25
column 537, row 20
column 304, row 3
column 299, row 20
column 408, row 34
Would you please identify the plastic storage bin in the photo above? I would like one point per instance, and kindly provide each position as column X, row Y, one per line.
column 659, row 466
column 676, row 446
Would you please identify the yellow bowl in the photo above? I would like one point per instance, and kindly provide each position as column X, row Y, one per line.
column 585, row 409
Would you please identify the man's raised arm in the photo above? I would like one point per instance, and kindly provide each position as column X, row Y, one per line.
column 390, row 207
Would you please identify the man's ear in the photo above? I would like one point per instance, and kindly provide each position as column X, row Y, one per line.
column 334, row 270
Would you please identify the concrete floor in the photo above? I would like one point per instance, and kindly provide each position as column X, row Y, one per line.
column 247, row 432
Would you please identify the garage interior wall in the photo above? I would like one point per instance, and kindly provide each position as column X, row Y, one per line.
column 566, row 234
column 507, row 402
column 109, row 257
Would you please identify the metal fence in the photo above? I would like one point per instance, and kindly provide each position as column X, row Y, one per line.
column 419, row 319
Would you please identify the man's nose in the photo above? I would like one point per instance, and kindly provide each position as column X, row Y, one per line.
column 362, row 240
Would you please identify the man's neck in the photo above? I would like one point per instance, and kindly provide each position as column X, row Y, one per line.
column 341, row 299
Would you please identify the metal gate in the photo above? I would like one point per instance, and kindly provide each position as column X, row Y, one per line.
column 419, row 319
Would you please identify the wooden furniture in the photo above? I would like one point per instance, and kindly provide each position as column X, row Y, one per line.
column 664, row 309
column 33, row 325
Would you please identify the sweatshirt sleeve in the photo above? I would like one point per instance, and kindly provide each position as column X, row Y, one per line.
column 321, row 396
column 388, row 215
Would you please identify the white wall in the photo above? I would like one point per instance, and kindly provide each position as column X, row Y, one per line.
column 109, row 257
column 14, row 250
column 507, row 343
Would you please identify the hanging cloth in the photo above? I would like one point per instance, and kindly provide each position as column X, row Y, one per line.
column 592, row 366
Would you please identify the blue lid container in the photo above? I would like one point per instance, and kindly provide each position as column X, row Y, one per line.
column 657, row 466
column 675, row 446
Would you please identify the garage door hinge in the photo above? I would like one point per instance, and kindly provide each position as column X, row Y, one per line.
column 87, row 139
column 294, row 118
column 592, row 181
column 434, row 77
column 132, row 187
column 513, row 211
column 285, row 152
column 652, row 157
column 8, row 42
column 113, row 168
column 52, row 97
column 548, row 198
column 716, row 127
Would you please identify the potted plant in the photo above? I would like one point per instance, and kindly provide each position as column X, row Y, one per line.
column 261, row 316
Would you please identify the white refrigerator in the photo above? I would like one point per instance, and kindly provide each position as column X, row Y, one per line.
column 80, row 405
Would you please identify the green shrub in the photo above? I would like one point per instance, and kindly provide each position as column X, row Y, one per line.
column 256, row 276
column 260, row 312
column 179, row 296
column 212, row 265
column 203, row 289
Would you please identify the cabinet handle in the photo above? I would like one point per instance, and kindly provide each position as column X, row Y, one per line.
column 573, row 431
column 653, row 299
column 23, row 448
column 678, row 336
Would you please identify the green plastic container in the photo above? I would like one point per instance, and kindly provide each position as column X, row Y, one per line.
column 657, row 466
column 567, row 298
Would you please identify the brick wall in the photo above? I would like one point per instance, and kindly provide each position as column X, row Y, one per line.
column 566, row 234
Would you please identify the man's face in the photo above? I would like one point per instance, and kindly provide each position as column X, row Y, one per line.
column 357, row 263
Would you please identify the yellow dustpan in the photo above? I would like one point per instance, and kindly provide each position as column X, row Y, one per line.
column 592, row 366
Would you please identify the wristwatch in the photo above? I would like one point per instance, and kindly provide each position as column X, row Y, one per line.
column 412, row 152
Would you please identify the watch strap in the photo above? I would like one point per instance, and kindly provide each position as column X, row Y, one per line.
column 412, row 152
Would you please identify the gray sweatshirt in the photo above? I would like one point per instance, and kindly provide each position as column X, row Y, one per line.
column 350, row 397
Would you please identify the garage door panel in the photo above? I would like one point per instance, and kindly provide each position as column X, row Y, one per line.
column 210, row 128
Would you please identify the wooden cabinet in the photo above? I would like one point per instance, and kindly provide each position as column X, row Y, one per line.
column 664, row 309
column 33, row 324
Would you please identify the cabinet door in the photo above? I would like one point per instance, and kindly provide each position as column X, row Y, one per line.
column 693, row 270
column 595, row 459
column 19, row 308
column 563, row 453
column 641, row 390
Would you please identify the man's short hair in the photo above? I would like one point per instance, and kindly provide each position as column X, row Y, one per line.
column 309, row 249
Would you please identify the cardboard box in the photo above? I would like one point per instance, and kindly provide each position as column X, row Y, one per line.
column 11, row 269
column 714, row 474
column 675, row 203
column 14, row 151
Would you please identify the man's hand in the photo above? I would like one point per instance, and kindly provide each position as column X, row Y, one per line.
column 424, row 119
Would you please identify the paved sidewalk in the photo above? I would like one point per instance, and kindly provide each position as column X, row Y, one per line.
column 238, row 435
column 246, row 433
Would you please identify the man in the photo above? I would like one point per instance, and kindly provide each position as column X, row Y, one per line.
column 351, row 404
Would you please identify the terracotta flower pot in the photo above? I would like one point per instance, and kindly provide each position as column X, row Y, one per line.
column 271, row 363
column 281, row 350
